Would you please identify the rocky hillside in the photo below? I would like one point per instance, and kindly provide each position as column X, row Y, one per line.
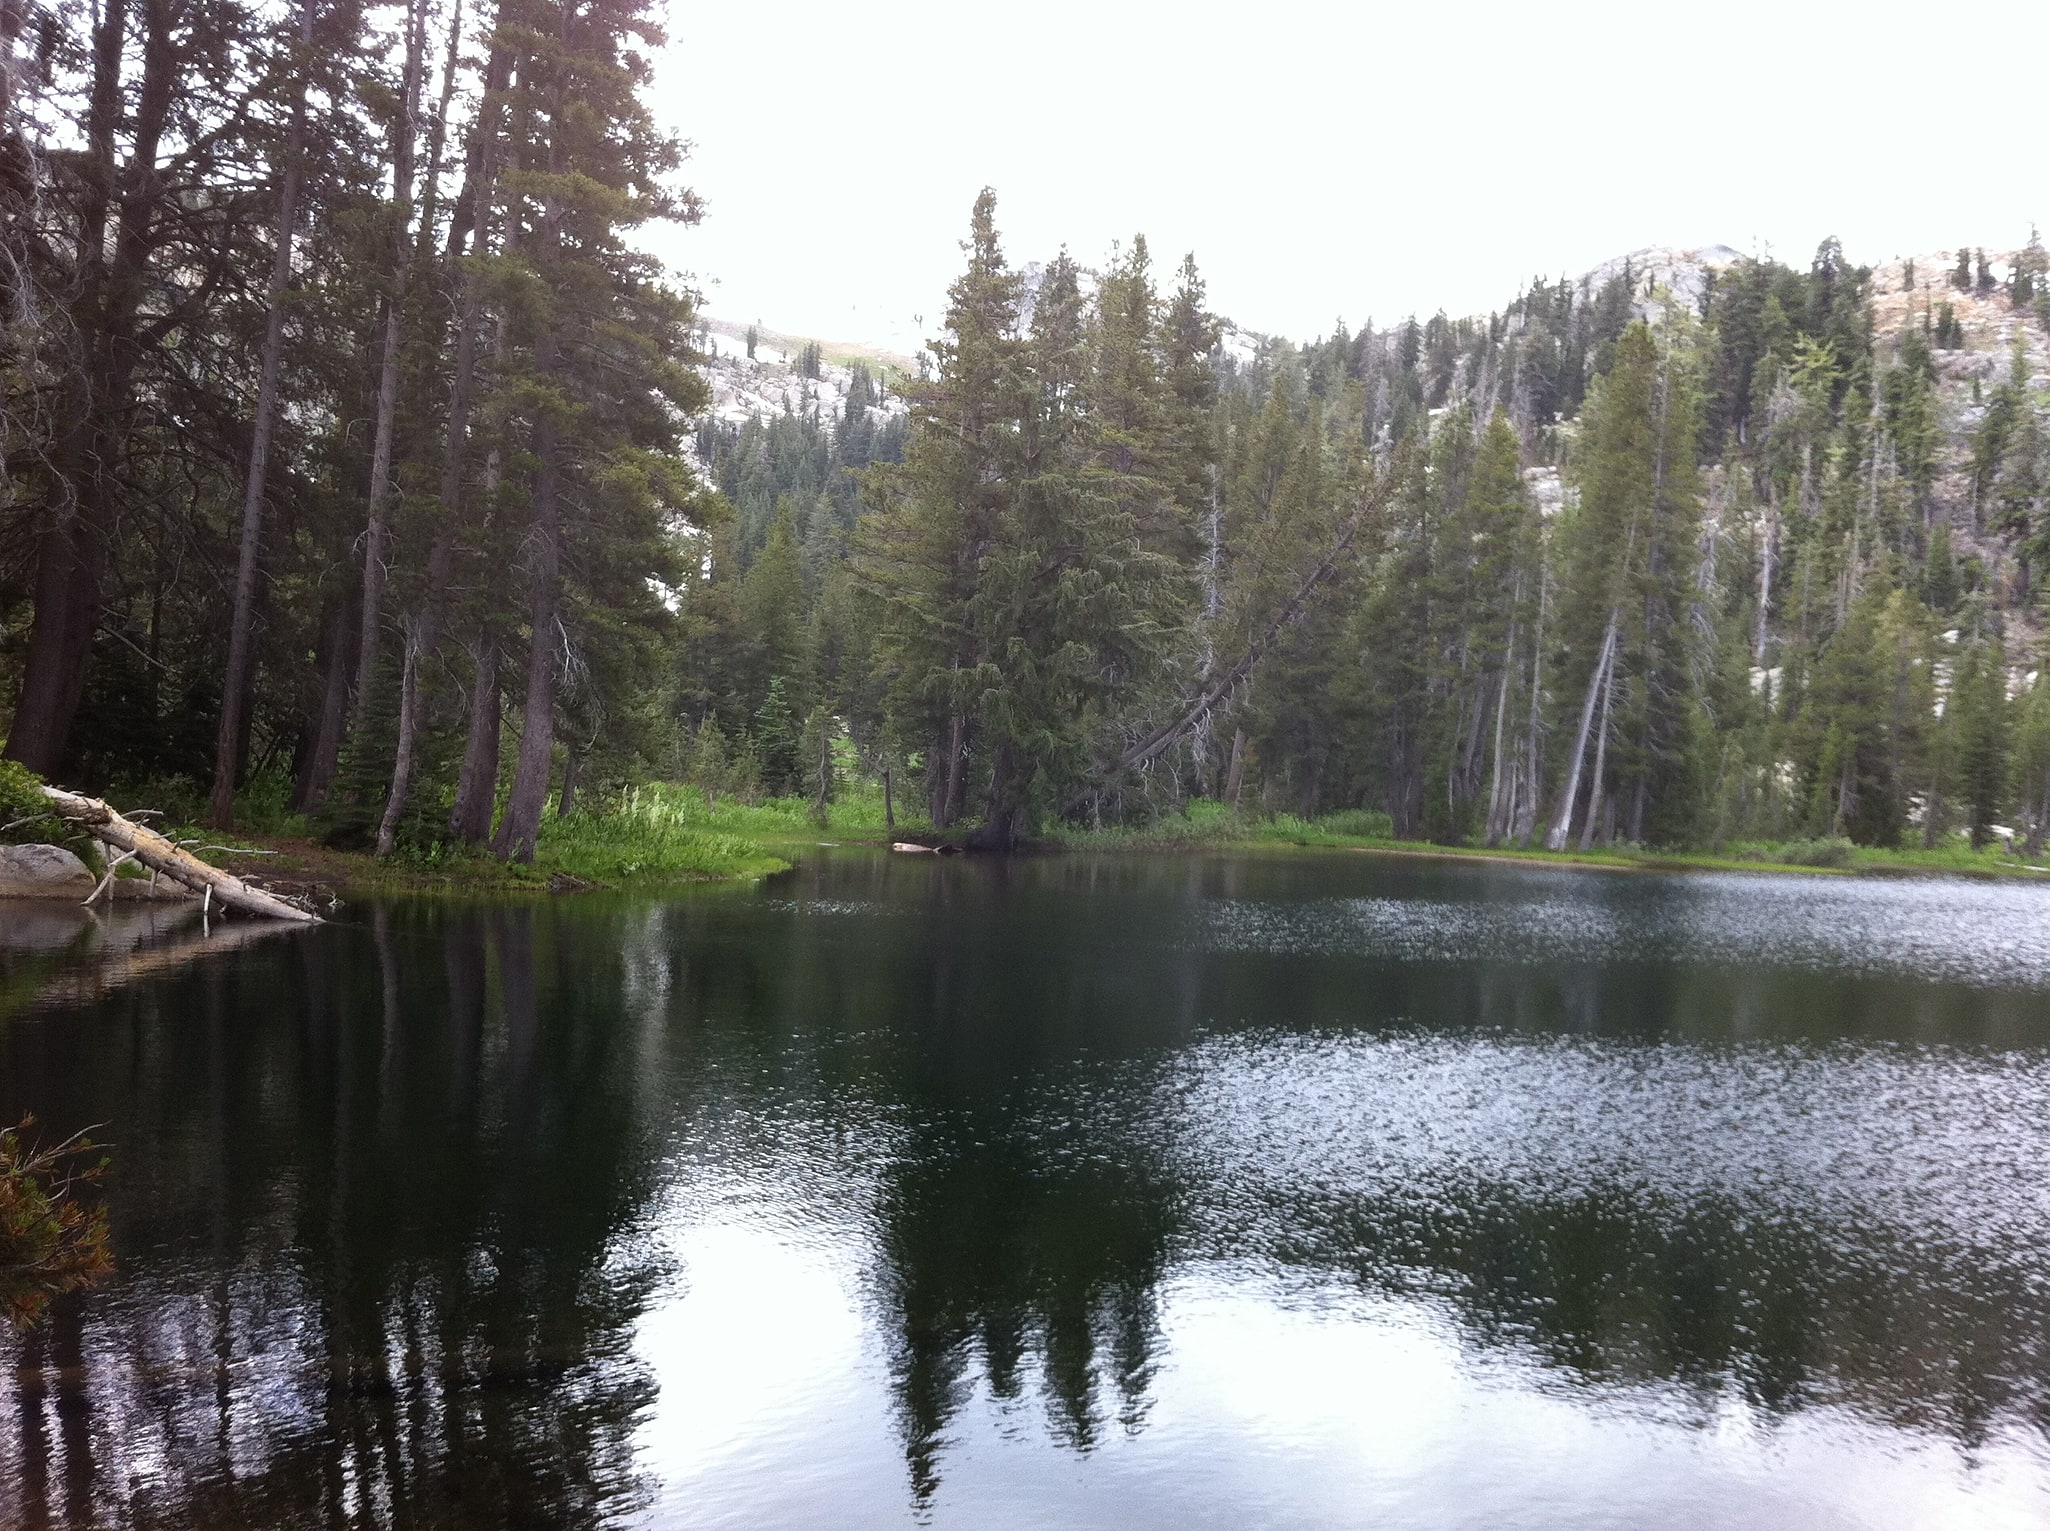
column 771, row 382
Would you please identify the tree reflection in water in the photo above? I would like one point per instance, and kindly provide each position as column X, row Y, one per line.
column 368, row 1215
column 392, row 1201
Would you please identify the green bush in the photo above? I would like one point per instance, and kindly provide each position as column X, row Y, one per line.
column 24, row 811
column 1831, row 852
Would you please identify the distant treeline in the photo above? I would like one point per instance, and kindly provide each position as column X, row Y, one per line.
column 1604, row 567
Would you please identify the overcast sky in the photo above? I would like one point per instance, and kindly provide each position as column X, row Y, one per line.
column 1333, row 161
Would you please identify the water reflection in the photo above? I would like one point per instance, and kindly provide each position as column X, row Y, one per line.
column 887, row 1189
column 371, row 1271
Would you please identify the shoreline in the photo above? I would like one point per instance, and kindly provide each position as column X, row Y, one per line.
column 751, row 849
column 1864, row 861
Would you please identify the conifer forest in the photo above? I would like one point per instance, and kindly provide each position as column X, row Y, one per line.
column 359, row 463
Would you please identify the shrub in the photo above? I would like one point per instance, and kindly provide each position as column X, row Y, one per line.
column 50, row 1240
column 1832, row 852
column 25, row 815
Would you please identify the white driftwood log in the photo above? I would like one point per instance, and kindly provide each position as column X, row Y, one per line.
column 160, row 855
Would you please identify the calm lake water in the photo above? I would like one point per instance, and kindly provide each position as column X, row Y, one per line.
column 1320, row 1191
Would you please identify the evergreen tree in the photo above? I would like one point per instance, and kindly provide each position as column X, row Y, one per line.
column 1978, row 697
column 598, row 370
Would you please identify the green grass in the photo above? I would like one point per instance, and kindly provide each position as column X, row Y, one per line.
column 1206, row 824
column 1203, row 823
column 666, row 833
column 855, row 813
column 642, row 838
column 645, row 837
column 647, row 834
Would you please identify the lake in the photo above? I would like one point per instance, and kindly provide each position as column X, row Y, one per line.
column 1316, row 1190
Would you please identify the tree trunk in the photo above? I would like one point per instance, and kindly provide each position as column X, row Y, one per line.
column 572, row 770
column 1235, row 771
column 69, row 559
column 241, row 623
column 957, row 760
column 1562, row 820
column 417, row 640
column 423, row 627
column 97, row 401
column 999, row 828
column 477, row 787
column 1533, row 744
column 377, row 532
column 160, row 855
column 1601, row 746
column 337, row 654
column 1498, row 785
column 521, row 824
column 889, row 805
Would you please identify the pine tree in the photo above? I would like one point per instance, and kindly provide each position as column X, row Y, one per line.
column 707, row 766
column 600, row 376
column 772, row 615
column 937, row 515
column 1978, row 697
column 1862, row 720
column 778, row 740
column 2032, row 758
column 1629, row 562
column 1942, row 586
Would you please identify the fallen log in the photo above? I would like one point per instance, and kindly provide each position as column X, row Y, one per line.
column 161, row 855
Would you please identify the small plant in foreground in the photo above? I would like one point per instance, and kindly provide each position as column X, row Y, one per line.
column 51, row 1240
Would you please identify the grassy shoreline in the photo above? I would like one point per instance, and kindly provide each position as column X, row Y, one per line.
column 664, row 835
column 1210, row 826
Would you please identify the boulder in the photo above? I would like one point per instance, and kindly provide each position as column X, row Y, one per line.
column 43, row 871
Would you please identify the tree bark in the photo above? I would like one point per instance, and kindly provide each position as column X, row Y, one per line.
column 241, row 623
column 1601, row 748
column 317, row 771
column 160, row 855
column 957, row 761
column 999, row 828
column 1497, row 812
column 572, row 771
column 477, row 787
column 1533, row 744
column 521, row 824
column 1235, row 772
column 1562, row 821
column 71, row 551
column 417, row 640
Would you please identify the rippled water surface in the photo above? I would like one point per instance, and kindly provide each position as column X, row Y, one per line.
column 1328, row 1191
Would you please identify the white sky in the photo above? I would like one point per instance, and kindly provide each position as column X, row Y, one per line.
column 1327, row 160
